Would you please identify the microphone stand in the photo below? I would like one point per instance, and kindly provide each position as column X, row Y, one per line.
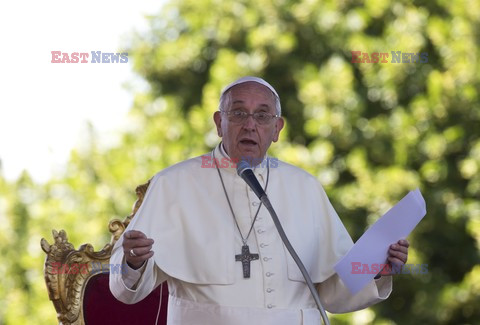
column 286, row 242
column 246, row 173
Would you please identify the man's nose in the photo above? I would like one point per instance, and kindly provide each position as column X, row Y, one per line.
column 249, row 123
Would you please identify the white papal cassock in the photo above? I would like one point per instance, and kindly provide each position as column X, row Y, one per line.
column 185, row 211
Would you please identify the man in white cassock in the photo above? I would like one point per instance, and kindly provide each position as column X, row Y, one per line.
column 201, row 229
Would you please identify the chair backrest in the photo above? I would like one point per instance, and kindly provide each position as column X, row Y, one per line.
column 100, row 306
column 77, row 281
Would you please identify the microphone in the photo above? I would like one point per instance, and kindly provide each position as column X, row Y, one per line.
column 246, row 173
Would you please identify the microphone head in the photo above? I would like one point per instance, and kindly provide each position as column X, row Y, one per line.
column 242, row 166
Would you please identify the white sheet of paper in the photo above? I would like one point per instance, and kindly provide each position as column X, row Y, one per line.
column 372, row 247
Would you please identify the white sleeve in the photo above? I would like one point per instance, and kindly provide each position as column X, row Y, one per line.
column 133, row 286
column 131, row 276
column 336, row 298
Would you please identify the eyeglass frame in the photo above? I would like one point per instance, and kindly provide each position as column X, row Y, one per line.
column 247, row 115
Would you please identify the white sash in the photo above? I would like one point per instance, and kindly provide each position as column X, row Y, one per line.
column 186, row 312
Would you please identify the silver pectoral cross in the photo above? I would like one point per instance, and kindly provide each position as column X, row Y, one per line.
column 246, row 258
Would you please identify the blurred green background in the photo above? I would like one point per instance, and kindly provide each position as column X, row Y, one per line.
column 370, row 132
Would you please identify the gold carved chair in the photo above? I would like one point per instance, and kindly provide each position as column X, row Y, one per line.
column 77, row 281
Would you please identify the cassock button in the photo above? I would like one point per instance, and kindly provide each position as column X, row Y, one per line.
column 255, row 204
column 262, row 245
column 269, row 290
column 266, row 259
column 270, row 306
column 269, row 274
column 260, row 231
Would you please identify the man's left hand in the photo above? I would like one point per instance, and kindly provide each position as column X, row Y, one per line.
column 397, row 255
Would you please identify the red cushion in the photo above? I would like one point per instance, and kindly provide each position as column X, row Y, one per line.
column 101, row 307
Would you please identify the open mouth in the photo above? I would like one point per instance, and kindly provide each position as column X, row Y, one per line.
column 248, row 142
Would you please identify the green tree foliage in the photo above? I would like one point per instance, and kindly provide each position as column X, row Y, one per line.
column 370, row 132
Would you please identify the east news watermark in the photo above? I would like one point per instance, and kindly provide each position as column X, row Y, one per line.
column 86, row 268
column 392, row 57
column 386, row 269
column 86, row 57
column 224, row 162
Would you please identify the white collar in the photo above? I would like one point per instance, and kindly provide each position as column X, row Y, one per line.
column 227, row 164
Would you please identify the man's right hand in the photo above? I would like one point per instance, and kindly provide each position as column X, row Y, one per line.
column 137, row 248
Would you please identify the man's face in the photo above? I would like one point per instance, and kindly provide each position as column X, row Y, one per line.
column 248, row 139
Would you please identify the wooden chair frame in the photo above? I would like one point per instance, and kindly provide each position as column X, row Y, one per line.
column 68, row 270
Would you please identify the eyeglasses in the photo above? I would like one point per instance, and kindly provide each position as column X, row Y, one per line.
column 237, row 116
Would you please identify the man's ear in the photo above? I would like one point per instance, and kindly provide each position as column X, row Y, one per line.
column 278, row 127
column 217, row 118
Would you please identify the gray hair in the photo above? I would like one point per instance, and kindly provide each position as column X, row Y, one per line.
column 226, row 101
